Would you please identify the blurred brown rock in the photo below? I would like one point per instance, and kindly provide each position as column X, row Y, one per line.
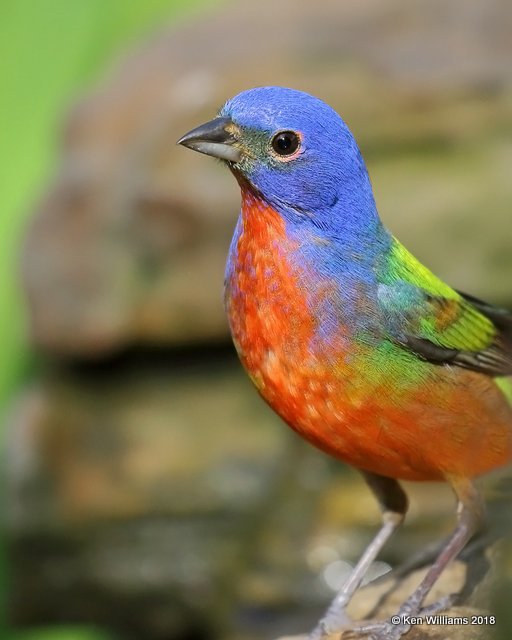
column 161, row 499
column 471, row 577
column 157, row 499
column 129, row 244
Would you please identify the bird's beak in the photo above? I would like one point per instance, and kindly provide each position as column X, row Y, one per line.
column 215, row 138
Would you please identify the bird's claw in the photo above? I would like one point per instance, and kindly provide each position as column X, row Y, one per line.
column 398, row 625
column 385, row 630
column 334, row 621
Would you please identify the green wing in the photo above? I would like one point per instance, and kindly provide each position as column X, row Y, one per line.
column 439, row 324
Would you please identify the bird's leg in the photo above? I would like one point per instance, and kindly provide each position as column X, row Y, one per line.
column 393, row 503
column 470, row 517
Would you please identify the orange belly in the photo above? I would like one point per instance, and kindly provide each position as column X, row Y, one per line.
column 397, row 416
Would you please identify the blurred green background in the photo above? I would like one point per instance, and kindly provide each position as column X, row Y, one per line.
column 149, row 492
column 50, row 51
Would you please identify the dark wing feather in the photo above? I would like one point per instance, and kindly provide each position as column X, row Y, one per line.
column 456, row 330
column 501, row 318
column 495, row 359
column 426, row 316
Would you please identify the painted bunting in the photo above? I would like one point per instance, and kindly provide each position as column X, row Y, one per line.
column 356, row 345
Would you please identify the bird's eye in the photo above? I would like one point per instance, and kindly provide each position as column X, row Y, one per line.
column 285, row 143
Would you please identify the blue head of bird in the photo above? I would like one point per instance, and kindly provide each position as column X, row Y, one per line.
column 297, row 154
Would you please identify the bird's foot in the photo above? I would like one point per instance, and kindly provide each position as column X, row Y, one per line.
column 398, row 625
column 335, row 620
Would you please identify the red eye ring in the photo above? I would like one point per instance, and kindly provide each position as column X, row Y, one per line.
column 286, row 143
